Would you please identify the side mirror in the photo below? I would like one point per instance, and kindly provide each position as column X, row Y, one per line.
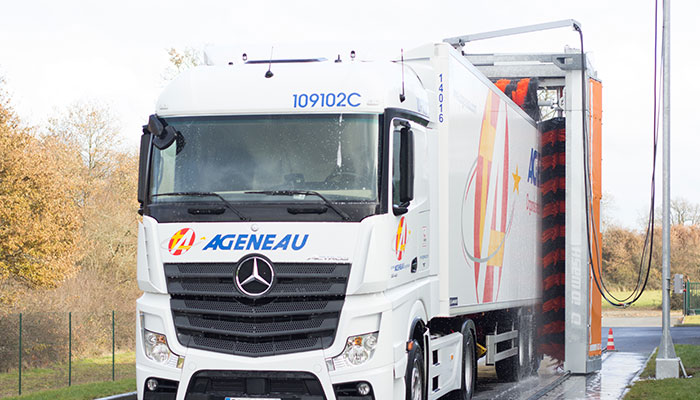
column 163, row 135
column 404, row 168
column 400, row 209
column 144, row 161
column 406, row 164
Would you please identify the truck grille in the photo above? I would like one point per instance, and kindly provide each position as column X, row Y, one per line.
column 300, row 312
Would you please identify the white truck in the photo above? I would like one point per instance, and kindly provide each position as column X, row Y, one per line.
column 336, row 229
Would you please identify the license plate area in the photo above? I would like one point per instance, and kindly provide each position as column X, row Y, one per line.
column 256, row 385
column 253, row 398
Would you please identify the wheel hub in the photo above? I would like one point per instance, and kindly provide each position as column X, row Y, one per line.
column 416, row 384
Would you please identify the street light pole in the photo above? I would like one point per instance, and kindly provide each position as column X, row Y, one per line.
column 667, row 363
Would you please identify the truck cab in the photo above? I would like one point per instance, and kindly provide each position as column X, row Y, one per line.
column 284, row 249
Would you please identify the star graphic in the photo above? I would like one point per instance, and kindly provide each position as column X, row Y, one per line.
column 516, row 180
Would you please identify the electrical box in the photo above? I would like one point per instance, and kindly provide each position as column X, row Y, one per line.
column 678, row 284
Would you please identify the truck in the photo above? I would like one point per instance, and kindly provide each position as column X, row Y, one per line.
column 336, row 229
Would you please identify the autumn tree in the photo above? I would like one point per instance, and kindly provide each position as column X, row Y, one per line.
column 684, row 212
column 110, row 176
column 181, row 60
column 91, row 129
column 111, row 224
column 40, row 217
column 622, row 255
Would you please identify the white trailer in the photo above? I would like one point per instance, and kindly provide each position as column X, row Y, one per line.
column 336, row 230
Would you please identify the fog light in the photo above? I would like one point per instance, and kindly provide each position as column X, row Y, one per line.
column 363, row 388
column 152, row 384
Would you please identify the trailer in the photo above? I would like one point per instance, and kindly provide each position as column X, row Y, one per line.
column 342, row 229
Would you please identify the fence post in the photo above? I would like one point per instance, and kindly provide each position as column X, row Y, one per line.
column 20, row 354
column 112, row 344
column 70, row 346
column 685, row 297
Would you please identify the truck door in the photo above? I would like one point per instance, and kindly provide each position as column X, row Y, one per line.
column 409, row 196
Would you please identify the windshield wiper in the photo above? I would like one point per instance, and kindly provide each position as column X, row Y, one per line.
column 332, row 206
column 205, row 194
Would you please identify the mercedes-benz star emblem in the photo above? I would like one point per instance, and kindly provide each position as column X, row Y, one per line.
column 254, row 276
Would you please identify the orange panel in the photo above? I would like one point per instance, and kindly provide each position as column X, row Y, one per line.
column 596, row 129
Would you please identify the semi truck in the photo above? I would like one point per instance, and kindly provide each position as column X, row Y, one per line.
column 336, row 229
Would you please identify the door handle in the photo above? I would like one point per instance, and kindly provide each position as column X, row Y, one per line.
column 414, row 265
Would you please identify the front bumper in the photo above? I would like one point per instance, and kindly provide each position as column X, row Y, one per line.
column 378, row 372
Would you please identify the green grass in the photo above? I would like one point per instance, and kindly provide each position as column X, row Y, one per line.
column 691, row 320
column 669, row 388
column 85, row 391
column 87, row 370
column 650, row 300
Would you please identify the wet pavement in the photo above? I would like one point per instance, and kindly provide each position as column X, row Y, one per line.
column 618, row 371
column 488, row 386
column 634, row 344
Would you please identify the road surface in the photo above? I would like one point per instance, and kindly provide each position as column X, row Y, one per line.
column 645, row 339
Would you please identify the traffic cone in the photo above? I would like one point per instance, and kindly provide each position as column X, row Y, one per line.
column 611, row 341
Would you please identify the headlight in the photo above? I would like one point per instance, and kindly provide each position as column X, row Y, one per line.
column 358, row 350
column 156, row 347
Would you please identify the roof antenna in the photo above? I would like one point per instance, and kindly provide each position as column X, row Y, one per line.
column 269, row 73
column 402, row 96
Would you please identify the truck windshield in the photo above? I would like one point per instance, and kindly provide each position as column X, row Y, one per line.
column 333, row 154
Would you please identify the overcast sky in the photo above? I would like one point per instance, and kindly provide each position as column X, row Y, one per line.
column 53, row 53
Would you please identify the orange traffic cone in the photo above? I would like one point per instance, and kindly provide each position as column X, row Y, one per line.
column 611, row 341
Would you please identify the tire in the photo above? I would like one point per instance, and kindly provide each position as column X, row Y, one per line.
column 521, row 365
column 526, row 344
column 469, row 368
column 507, row 370
column 415, row 374
column 533, row 358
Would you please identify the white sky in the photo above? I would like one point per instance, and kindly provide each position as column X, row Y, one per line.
column 53, row 53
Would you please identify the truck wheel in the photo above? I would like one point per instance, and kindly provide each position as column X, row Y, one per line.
column 526, row 344
column 508, row 370
column 528, row 354
column 468, row 367
column 415, row 373
column 519, row 366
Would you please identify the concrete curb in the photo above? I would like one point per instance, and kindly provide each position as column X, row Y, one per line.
column 635, row 378
column 123, row 396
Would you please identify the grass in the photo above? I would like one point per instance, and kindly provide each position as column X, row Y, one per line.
column 85, row 391
column 86, row 370
column 650, row 300
column 691, row 320
column 669, row 388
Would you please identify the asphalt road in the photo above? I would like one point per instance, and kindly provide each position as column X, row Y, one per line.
column 645, row 339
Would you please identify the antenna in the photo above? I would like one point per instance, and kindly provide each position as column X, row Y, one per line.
column 402, row 96
column 269, row 73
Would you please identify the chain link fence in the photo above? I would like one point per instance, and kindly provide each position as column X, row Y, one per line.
column 40, row 351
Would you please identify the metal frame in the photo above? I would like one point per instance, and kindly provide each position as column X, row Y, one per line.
column 461, row 40
column 492, row 354
column 562, row 71
column 558, row 70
